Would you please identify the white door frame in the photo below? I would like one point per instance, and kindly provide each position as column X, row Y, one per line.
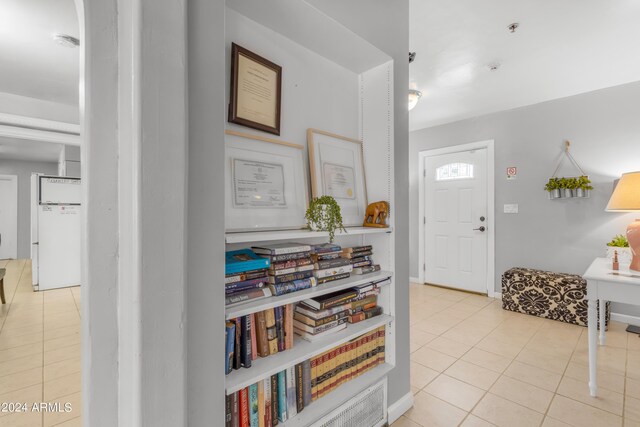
column 14, row 179
column 488, row 144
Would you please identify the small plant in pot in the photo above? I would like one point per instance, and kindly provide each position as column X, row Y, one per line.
column 583, row 186
column 324, row 214
column 567, row 185
column 553, row 187
column 620, row 244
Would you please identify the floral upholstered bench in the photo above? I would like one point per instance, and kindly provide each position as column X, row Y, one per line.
column 555, row 296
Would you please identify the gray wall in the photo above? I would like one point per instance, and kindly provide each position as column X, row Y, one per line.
column 563, row 235
column 24, row 170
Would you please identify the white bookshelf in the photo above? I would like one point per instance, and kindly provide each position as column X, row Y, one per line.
column 313, row 48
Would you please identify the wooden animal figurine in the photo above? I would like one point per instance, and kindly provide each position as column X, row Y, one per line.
column 376, row 215
column 616, row 264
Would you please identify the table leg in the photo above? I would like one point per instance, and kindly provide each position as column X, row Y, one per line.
column 593, row 346
column 602, row 307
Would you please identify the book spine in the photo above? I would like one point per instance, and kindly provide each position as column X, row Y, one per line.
column 228, row 410
column 267, row 402
column 319, row 314
column 282, row 396
column 314, row 377
column 290, row 277
column 253, row 405
column 237, row 358
column 246, row 286
column 262, row 341
column 274, row 400
column 294, row 286
column 230, row 335
column 254, row 342
column 235, row 407
column 278, row 311
column 244, row 407
column 288, row 257
column 331, row 263
column 290, row 270
column 291, row 263
column 272, row 335
column 281, row 251
column 243, row 277
column 247, row 295
column 288, row 326
column 330, row 272
column 299, row 388
column 306, row 382
column 319, row 329
column 291, row 392
column 245, row 341
column 333, row 278
column 366, row 270
column 261, row 404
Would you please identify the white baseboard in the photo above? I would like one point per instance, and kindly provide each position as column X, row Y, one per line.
column 414, row 279
column 623, row 318
column 497, row 295
column 398, row 408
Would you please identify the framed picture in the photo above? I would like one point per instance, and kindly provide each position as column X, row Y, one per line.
column 337, row 169
column 256, row 85
column 265, row 184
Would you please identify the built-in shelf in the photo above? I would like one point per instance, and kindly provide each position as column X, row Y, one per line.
column 264, row 236
column 324, row 405
column 302, row 350
column 253, row 306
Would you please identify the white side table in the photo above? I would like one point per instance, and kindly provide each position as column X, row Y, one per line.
column 605, row 284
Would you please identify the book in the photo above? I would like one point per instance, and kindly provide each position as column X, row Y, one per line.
column 262, row 342
column 282, row 396
column 333, row 278
column 259, row 282
column 357, row 249
column 331, row 300
column 321, row 321
column 290, row 270
column 312, row 313
column 254, row 341
column 253, row 405
column 363, row 302
column 290, row 277
column 327, row 272
column 306, row 382
column 310, row 337
column 244, row 260
column 294, row 286
column 237, row 359
column 288, row 326
column 360, row 264
column 235, row 407
column 290, row 263
column 274, row 400
column 230, row 336
column 299, row 388
column 247, row 275
column 281, row 248
column 279, row 315
column 292, row 410
column 228, row 411
column 325, row 248
column 289, row 257
column 244, row 407
column 318, row 329
column 261, row 406
column 245, row 341
column 365, row 314
column 267, row 402
column 331, row 263
column 355, row 254
column 243, row 296
column 272, row 336
column 325, row 256
column 366, row 270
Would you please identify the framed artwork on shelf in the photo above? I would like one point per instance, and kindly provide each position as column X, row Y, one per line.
column 337, row 170
column 256, row 88
column 265, row 184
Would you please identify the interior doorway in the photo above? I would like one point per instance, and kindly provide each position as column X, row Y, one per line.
column 8, row 216
column 456, row 217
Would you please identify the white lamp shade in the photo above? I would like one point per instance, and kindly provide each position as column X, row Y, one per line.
column 414, row 97
column 626, row 196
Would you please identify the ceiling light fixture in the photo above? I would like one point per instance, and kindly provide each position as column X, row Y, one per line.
column 414, row 97
column 493, row 67
column 66, row 40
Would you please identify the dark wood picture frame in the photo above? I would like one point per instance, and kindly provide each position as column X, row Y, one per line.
column 236, row 51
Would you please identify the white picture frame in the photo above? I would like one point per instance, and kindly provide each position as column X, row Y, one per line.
column 266, row 185
column 336, row 164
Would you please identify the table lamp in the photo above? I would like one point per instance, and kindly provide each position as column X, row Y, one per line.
column 626, row 198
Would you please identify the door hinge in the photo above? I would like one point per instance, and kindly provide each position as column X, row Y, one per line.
column 424, row 219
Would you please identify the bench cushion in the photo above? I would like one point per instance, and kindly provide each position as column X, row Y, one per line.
column 555, row 296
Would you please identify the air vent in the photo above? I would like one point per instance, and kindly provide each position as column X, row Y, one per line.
column 369, row 409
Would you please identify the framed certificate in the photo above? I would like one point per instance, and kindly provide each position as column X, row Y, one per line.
column 256, row 85
column 337, row 170
column 265, row 184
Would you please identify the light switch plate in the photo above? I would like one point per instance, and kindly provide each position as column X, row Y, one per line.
column 511, row 208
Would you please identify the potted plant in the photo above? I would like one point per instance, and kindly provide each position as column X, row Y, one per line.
column 583, row 186
column 620, row 244
column 553, row 187
column 324, row 214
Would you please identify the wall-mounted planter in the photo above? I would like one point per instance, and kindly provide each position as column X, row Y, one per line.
column 569, row 188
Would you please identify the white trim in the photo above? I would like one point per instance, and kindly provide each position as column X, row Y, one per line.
column 625, row 318
column 399, row 407
column 14, row 179
column 38, row 135
column 39, row 124
column 415, row 280
column 489, row 145
column 497, row 295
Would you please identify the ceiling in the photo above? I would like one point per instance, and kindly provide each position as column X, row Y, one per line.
column 31, row 63
column 23, row 149
column 561, row 48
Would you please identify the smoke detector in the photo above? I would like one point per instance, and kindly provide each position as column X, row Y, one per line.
column 493, row 66
column 66, row 40
column 513, row 27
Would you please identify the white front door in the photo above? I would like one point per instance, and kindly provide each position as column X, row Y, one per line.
column 455, row 207
column 8, row 216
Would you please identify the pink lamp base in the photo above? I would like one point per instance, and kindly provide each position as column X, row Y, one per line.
column 633, row 236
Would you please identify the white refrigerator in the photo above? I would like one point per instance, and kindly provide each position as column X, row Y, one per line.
column 55, row 231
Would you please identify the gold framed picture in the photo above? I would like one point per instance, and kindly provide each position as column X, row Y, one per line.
column 256, row 86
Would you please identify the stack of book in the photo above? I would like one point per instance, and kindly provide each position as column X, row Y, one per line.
column 271, row 401
column 328, row 264
column 291, row 267
column 360, row 259
column 246, row 276
column 258, row 334
column 282, row 396
column 365, row 305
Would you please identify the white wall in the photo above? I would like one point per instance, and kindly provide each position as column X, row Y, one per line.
column 563, row 235
column 38, row 108
column 24, row 170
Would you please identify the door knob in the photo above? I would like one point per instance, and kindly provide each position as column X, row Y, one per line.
column 481, row 228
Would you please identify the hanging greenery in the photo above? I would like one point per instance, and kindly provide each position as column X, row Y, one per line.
column 324, row 214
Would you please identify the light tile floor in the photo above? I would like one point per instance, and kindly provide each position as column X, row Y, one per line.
column 39, row 349
column 474, row 364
